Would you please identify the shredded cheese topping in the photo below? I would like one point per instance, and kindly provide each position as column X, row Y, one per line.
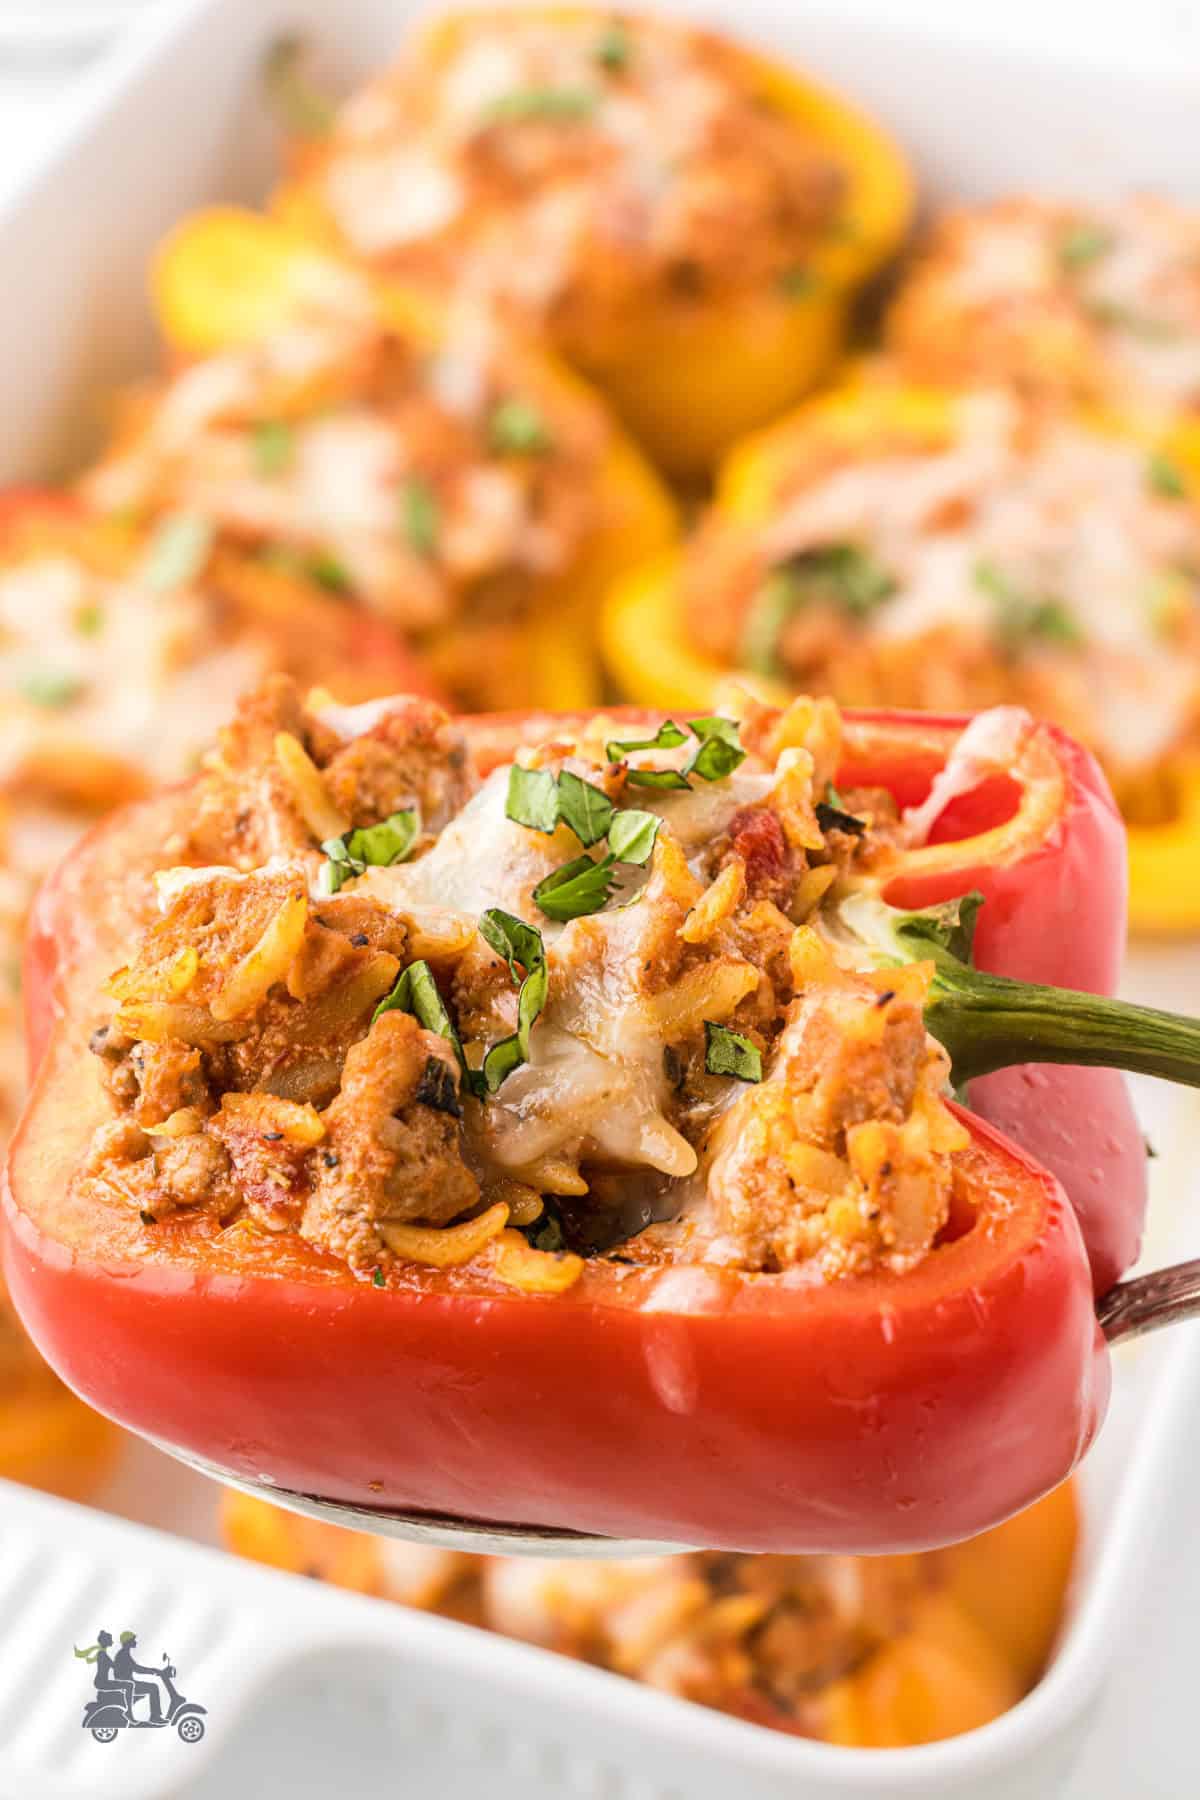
column 585, row 989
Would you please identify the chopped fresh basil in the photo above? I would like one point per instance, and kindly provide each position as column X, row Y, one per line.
column 388, row 842
column 321, row 567
column 772, row 607
column 1164, row 478
column 500, row 1062
column 303, row 109
column 532, row 798
column 715, row 755
column 613, row 48
column 538, row 800
column 1142, row 325
column 657, row 778
column 89, row 620
column 1019, row 618
column 50, row 687
column 667, row 737
column 845, row 574
column 274, row 445
column 370, row 845
column 1051, row 621
column 1083, row 244
column 517, row 428
column 521, row 947
column 545, row 105
column 377, row 1279
column 338, row 866
column 178, row 551
column 585, row 808
column 727, row 1053
column 530, row 1001
column 842, row 576
column 420, row 516
column 798, row 283
column 511, row 938
column 719, row 750
column 631, row 836
column 328, row 571
column 416, row 992
column 579, row 887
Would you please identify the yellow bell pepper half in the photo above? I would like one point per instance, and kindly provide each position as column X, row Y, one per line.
column 225, row 277
column 651, row 661
column 691, row 375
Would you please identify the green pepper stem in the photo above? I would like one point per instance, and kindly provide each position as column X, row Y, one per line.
column 989, row 1022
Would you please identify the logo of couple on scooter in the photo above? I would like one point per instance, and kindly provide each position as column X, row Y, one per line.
column 120, row 1688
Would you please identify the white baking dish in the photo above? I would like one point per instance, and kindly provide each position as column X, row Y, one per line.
column 307, row 1688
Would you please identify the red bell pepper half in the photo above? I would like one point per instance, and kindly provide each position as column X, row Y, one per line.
column 758, row 1412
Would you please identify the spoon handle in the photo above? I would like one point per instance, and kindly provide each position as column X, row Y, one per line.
column 1148, row 1302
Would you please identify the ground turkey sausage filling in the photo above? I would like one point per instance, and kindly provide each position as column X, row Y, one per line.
column 420, row 474
column 419, row 1015
column 1010, row 558
column 1092, row 303
column 577, row 167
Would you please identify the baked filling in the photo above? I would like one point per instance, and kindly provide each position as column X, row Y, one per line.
column 1101, row 302
column 631, row 160
column 599, row 1000
column 421, row 474
column 1015, row 559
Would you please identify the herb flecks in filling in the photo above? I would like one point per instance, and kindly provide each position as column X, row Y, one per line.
column 431, row 1037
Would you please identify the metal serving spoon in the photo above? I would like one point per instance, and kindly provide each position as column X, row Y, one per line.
column 1128, row 1310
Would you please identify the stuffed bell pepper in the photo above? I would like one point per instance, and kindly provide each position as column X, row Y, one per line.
column 1088, row 304
column 687, row 221
column 864, row 1651
column 465, row 491
column 121, row 648
column 491, row 1118
column 120, row 651
column 921, row 547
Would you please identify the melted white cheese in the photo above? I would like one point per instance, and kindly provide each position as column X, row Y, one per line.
column 146, row 685
column 392, row 196
column 1072, row 521
column 595, row 1082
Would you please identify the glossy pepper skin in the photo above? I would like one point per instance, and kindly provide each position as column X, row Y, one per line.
column 649, row 656
column 882, row 1413
column 692, row 374
column 225, row 277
